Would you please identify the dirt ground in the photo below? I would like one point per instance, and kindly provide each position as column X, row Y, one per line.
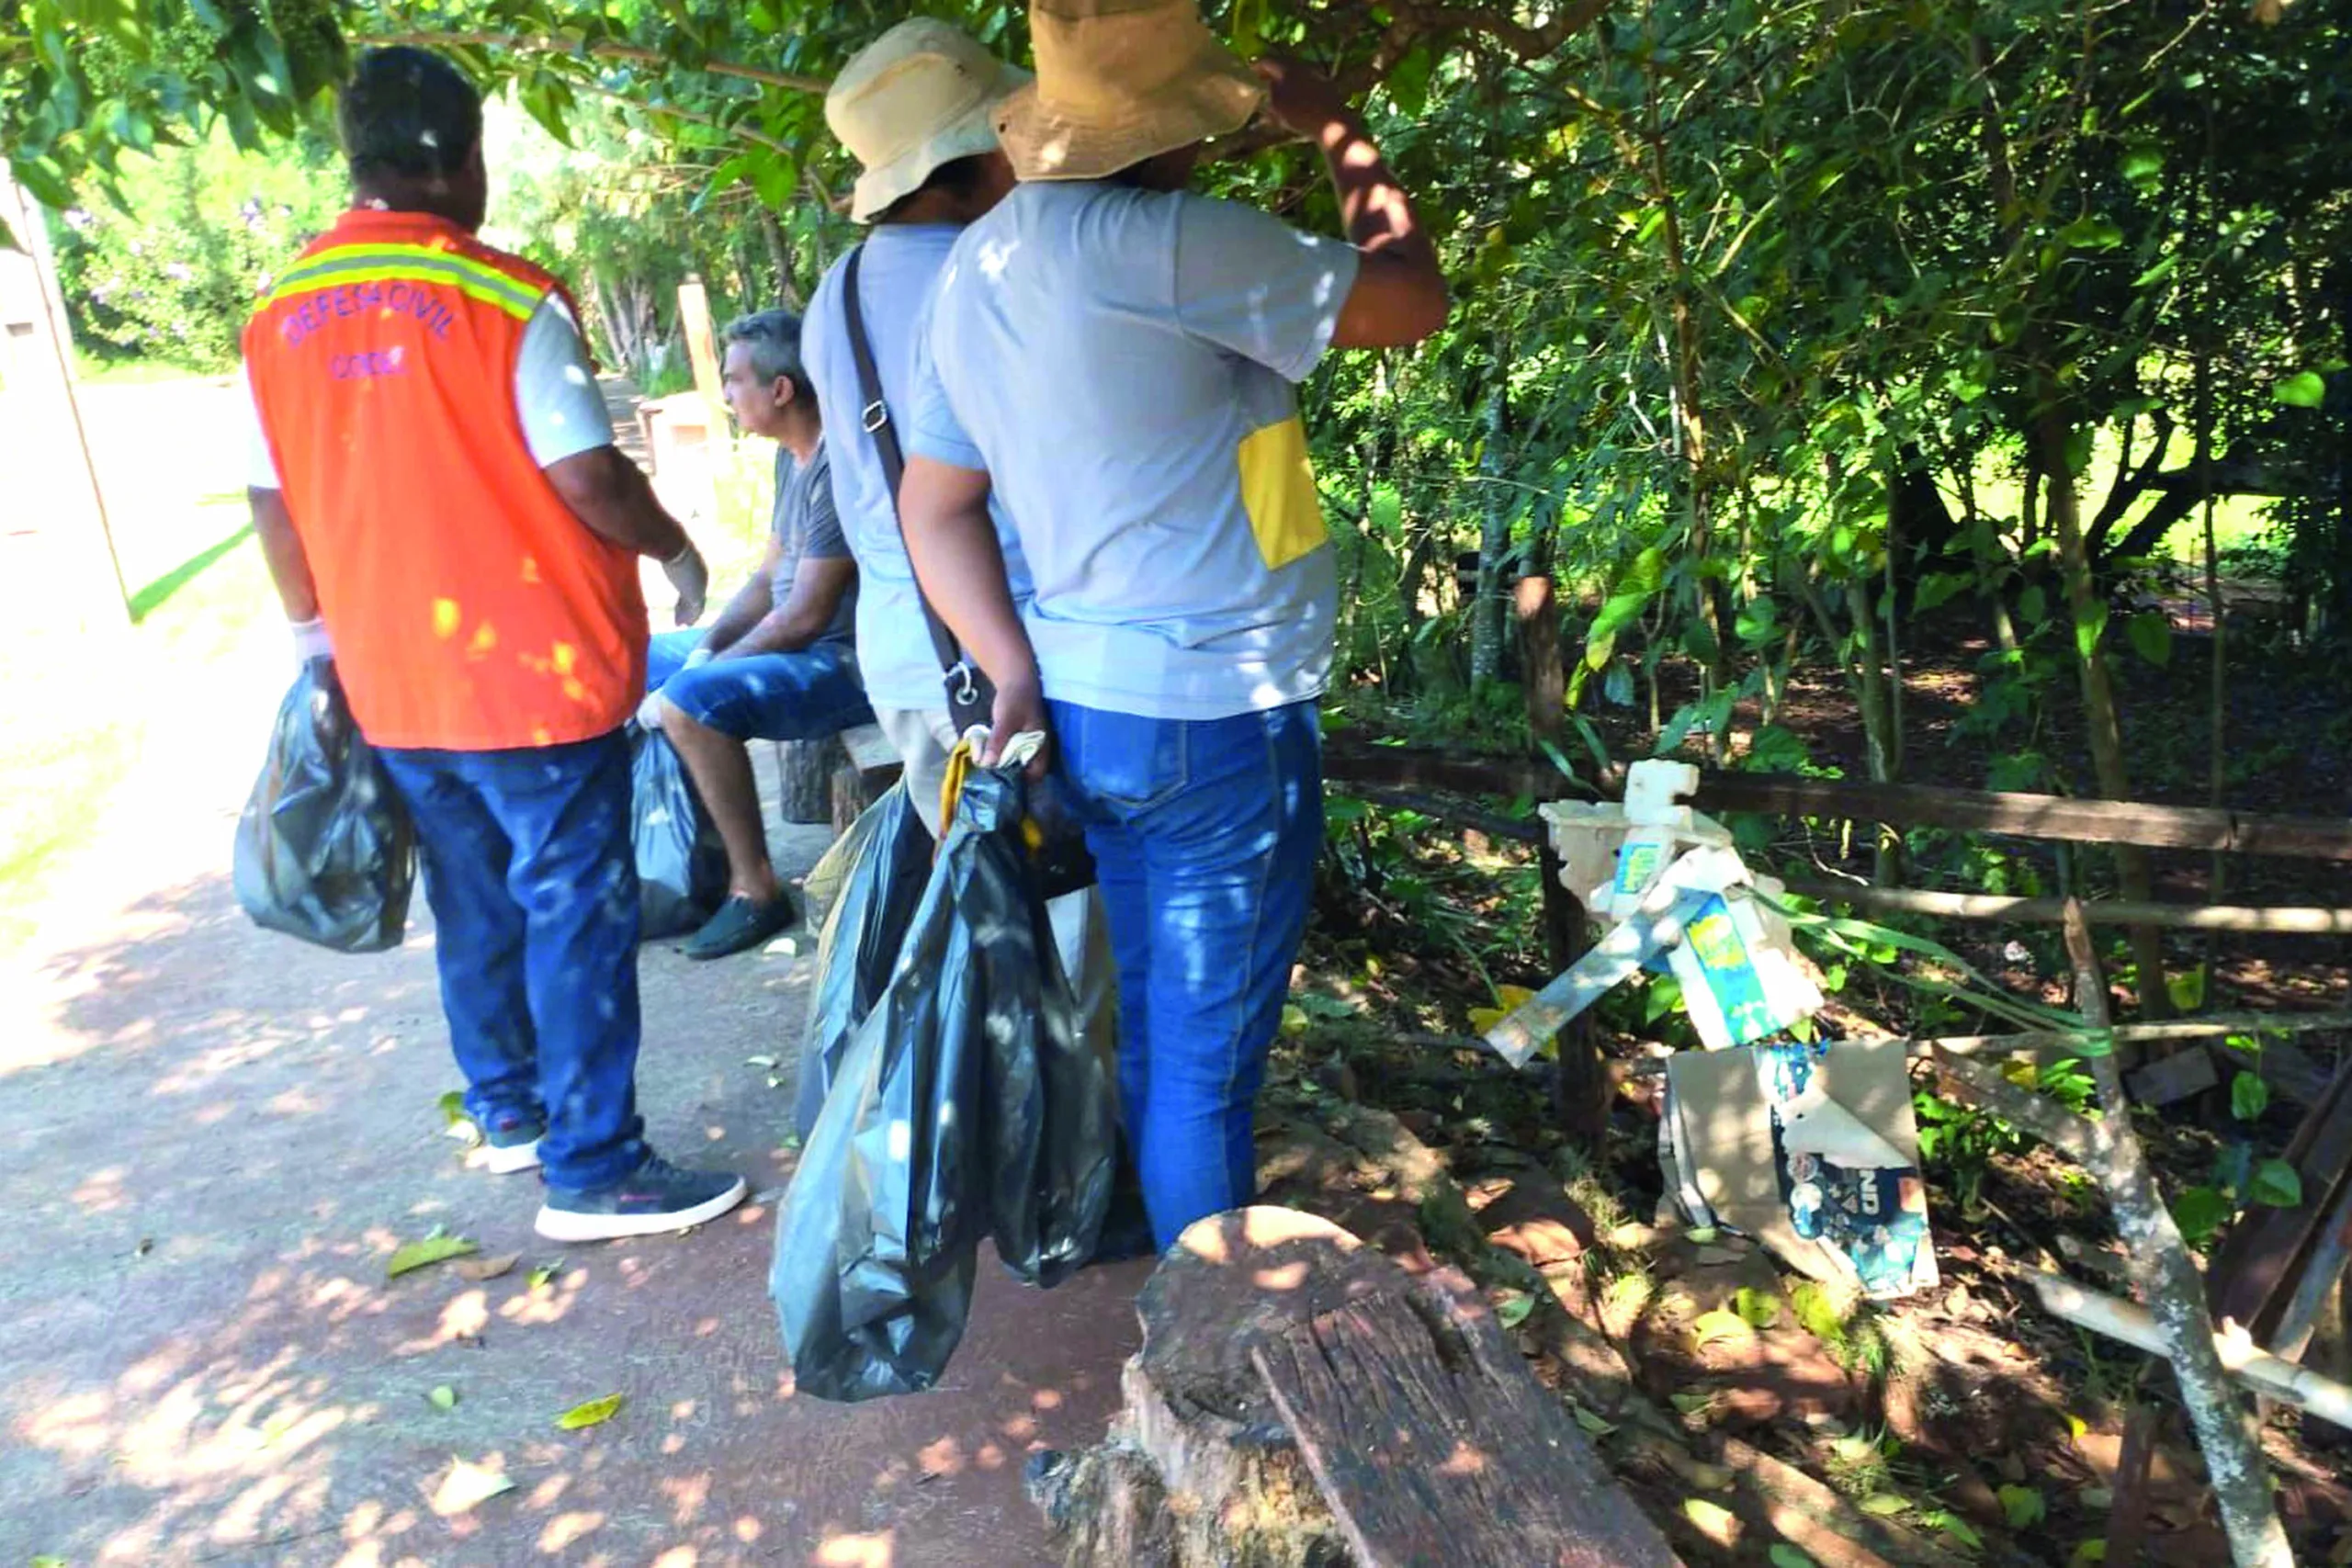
column 216, row 1138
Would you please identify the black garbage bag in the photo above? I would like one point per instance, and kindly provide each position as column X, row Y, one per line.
column 965, row 1105
column 869, row 882
column 324, row 850
column 681, row 860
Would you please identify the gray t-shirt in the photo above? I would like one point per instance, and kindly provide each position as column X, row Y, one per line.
column 1120, row 362
column 808, row 528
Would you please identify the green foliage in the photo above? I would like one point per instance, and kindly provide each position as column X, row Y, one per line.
column 170, row 276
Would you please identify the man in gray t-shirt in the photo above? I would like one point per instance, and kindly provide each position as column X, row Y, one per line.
column 780, row 663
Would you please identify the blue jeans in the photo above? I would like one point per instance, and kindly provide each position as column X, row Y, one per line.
column 1204, row 834
column 801, row 695
column 533, row 883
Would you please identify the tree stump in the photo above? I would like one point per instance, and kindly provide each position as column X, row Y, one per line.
column 805, row 772
column 865, row 772
column 1245, row 1444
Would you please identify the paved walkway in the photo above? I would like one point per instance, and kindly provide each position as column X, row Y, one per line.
column 215, row 1138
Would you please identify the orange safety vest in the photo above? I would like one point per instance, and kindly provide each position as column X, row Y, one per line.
column 470, row 611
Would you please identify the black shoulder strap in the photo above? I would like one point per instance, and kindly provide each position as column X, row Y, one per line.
column 875, row 419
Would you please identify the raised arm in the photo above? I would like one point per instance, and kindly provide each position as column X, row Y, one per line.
column 1400, row 296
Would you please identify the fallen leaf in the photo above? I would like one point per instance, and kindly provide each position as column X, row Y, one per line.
column 1702, row 1236
column 791, row 1143
column 423, row 1253
column 1716, row 1522
column 1691, row 1403
column 1884, row 1505
column 2077, row 1426
column 1784, row 1555
column 1757, row 1309
column 2091, row 1551
column 1594, row 1426
column 49, row 1563
column 443, row 1398
column 2024, row 1506
column 544, row 1272
column 1710, row 1326
column 595, row 1412
column 759, row 1061
column 481, row 1268
column 467, row 1485
column 2097, row 1499
column 1514, row 1308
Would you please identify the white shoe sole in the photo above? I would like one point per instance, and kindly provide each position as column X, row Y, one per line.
column 562, row 1225
column 509, row 1161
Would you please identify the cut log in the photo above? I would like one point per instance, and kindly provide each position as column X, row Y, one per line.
column 1430, row 1442
column 1202, row 1468
column 805, row 778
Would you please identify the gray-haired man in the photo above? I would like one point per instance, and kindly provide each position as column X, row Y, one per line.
column 780, row 663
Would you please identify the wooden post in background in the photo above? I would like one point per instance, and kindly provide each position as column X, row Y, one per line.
column 1580, row 1080
column 49, row 483
column 702, row 344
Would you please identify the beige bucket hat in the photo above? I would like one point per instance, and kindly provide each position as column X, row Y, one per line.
column 1120, row 81
column 920, row 95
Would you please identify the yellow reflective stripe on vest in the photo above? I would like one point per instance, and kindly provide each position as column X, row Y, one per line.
column 347, row 264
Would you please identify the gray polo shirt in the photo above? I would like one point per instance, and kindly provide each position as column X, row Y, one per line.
column 1121, row 364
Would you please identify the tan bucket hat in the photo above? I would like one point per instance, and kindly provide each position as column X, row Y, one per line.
column 920, row 95
column 1120, row 81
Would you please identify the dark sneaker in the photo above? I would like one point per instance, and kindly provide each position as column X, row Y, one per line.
column 509, row 1144
column 656, row 1196
column 742, row 925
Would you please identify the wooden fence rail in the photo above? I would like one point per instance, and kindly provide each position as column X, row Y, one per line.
column 1346, row 761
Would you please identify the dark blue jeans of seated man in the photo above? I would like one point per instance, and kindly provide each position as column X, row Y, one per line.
column 533, row 883
column 801, row 695
column 1204, row 834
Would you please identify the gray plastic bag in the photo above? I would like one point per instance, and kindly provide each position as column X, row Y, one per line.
column 324, row 850
column 966, row 1104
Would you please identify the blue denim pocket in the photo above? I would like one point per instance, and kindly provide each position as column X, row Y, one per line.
column 1121, row 760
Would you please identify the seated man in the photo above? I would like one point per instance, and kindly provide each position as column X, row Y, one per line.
column 779, row 663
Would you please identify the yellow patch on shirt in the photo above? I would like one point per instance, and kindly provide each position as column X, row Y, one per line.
column 1278, row 492
column 485, row 637
column 566, row 656
column 445, row 618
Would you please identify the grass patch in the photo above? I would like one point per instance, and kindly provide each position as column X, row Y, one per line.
column 63, row 755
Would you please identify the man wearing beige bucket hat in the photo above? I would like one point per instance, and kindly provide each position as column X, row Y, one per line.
column 916, row 107
column 1111, row 361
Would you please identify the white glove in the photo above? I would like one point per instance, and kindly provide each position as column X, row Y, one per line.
column 691, row 578
column 649, row 712
column 699, row 658
column 311, row 640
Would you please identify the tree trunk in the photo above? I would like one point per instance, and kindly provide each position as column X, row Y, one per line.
column 2100, row 714
column 787, row 288
column 1487, row 606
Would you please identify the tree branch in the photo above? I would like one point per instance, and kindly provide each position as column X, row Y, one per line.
column 549, row 44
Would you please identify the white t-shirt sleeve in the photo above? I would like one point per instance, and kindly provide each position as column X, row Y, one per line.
column 261, row 464
column 562, row 408
column 933, row 430
column 1249, row 282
